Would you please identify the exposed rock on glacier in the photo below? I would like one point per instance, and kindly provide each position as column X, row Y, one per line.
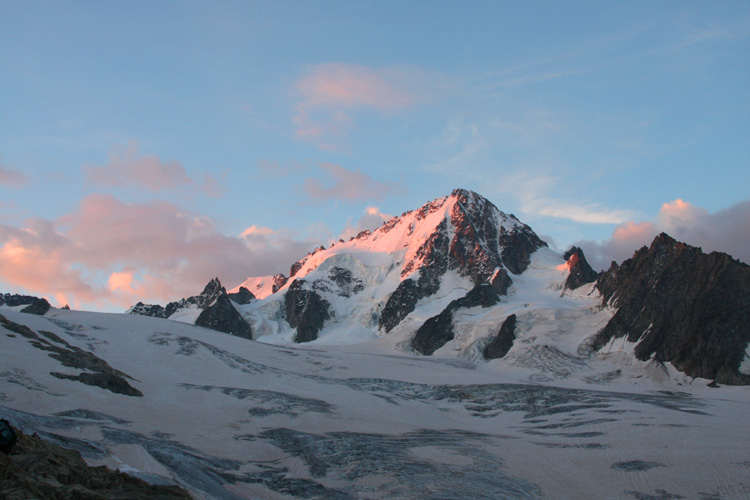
column 438, row 330
column 211, row 309
column 34, row 305
column 305, row 310
column 503, row 341
column 581, row 272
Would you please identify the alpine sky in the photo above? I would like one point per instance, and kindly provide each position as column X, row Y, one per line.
column 146, row 147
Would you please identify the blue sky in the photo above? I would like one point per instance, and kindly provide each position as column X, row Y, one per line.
column 146, row 147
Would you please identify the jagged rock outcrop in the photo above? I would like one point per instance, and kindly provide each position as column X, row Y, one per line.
column 681, row 306
column 94, row 370
column 438, row 330
column 40, row 469
column 305, row 311
column 153, row 310
column 340, row 282
column 215, row 306
column 242, row 297
column 503, row 339
column 404, row 299
column 279, row 281
column 34, row 305
column 221, row 316
column 581, row 272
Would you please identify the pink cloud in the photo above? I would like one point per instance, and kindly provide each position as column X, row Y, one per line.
column 12, row 178
column 372, row 219
column 725, row 231
column 350, row 85
column 108, row 252
column 330, row 93
column 347, row 185
column 127, row 167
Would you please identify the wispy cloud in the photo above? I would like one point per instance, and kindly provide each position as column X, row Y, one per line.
column 329, row 94
column 127, row 167
column 11, row 177
column 725, row 231
column 535, row 192
column 343, row 184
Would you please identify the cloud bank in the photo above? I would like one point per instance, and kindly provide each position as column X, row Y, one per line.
column 725, row 231
column 111, row 252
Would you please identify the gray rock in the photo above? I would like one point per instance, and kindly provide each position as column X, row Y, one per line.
column 503, row 340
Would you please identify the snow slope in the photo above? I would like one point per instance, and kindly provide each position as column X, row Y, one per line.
column 229, row 418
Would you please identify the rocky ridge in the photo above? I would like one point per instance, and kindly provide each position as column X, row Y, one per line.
column 680, row 305
column 581, row 272
column 34, row 305
column 214, row 307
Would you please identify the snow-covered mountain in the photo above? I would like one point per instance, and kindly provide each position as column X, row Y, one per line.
column 444, row 279
column 448, row 354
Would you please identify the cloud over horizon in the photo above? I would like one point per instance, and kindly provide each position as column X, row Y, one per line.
column 725, row 231
column 112, row 252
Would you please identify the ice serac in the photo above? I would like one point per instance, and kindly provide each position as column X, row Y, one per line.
column 212, row 309
column 581, row 272
column 681, row 306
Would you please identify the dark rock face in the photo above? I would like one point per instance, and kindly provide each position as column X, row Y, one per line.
column 518, row 244
column 217, row 311
column 95, row 371
column 404, row 299
column 503, row 340
column 681, row 306
column 438, row 330
column 223, row 317
column 35, row 305
column 581, row 272
column 501, row 282
column 243, row 296
column 305, row 310
column 153, row 310
column 39, row 469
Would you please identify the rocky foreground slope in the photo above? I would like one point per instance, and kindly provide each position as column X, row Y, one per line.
column 39, row 469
